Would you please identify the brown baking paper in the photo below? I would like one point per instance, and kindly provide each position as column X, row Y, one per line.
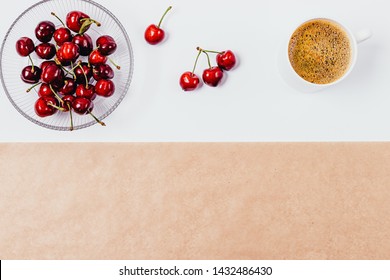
column 195, row 201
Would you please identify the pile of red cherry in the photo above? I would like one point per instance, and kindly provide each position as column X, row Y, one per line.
column 212, row 76
column 67, row 82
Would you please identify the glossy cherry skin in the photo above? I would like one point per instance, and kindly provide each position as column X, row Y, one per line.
column 83, row 71
column 154, row 35
column 69, row 51
column 61, row 60
column 68, row 88
column 45, row 91
column 96, row 58
column 84, row 42
column 103, row 71
column 25, row 46
column 68, row 100
column 105, row 88
column 45, row 50
column 226, row 60
column 106, row 45
column 62, row 35
column 74, row 20
column 45, row 31
column 29, row 76
column 212, row 76
column 52, row 74
column 87, row 92
column 47, row 63
column 82, row 105
column 189, row 81
column 42, row 107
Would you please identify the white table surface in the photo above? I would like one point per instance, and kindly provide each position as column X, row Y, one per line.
column 254, row 104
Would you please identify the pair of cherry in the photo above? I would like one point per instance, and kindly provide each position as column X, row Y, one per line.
column 64, row 88
column 212, row 76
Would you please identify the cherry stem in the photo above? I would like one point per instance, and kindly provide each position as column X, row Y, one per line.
column 96, row 119
column 68, row 72
column 113, row 62
column 71, row 117
column 31, row 88
column 162, row 18
column 85, row 75
column 208, row 58
column 54, row 14
column 196, row 62
column 32, row 64
column 208, row 51
column 56, row 95
column 86, row 23
column 56, row 107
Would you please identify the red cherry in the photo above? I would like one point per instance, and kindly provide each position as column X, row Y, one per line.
column 84, row 41
column 96, row 58
column 47, row 63
column 25, row 46
column 154, row 34
column 189, row 81
column 79, row 22
column 83, row 73
column 226, row 60
column 105, row 88
column 44, row 31
column 103, row 71
column 62, row 35
column 87, row 92
column 82, row 105
column 69, row 51
column 60, row 60
column 106, row 45
column 68, row 88
column 45, row 50
column 45, row 91
column 31, row 74
column 68, row 100
column 212, row 76
column 43, row 106
column 52, row 74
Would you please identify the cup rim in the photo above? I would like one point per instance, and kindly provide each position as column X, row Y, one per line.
column 354, row 49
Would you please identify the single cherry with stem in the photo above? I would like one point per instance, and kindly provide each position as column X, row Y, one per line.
column 96, row 58
column 31, row 74
column 154, row 34
column 83, row 73
column 213, row 75
column 45, row 91
column 189, row 81
column 79, row 22
column 44, row 106
column 87, row 91
column 84, row 106
column 45, row 31
column 105, row 88
column 103, row 71
column 84, row 41
column 45, row 50
column 69, row 51
column 25, row 46
column 67, row 106
column 69, row 87
column 62, row 34
column 106, row 45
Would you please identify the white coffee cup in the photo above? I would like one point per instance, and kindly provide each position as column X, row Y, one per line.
column 294, row 80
